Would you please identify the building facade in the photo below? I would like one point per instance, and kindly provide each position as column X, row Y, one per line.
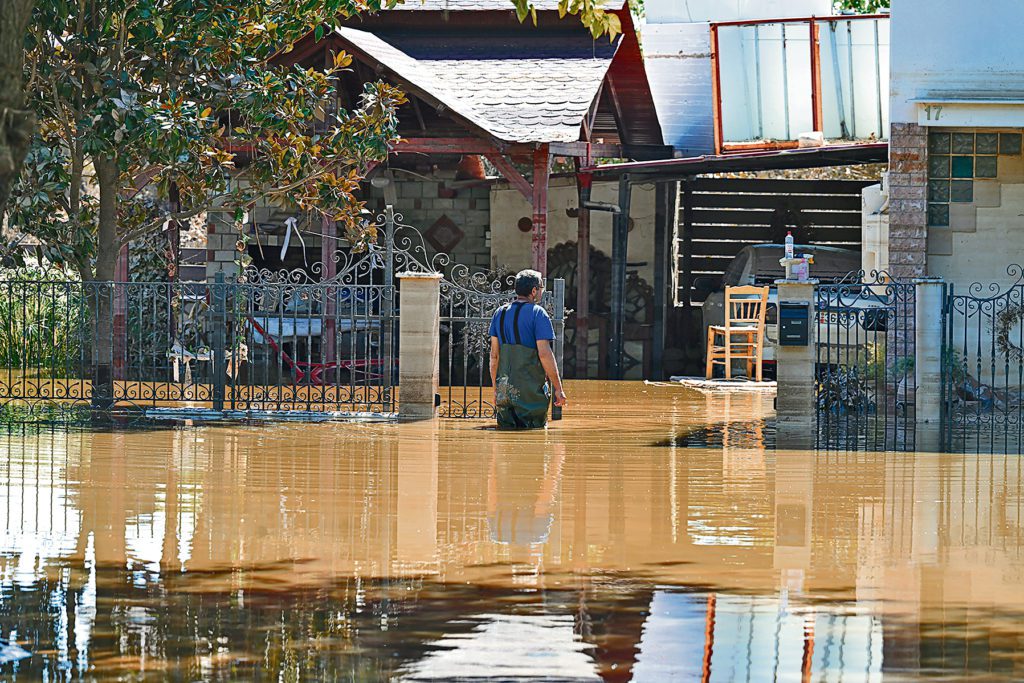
column 956, row 182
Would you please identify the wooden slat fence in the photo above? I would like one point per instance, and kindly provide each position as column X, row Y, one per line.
column 720, row 216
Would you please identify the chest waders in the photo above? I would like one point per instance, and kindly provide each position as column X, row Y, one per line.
column 522, row 392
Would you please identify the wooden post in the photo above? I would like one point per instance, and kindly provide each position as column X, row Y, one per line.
column 620, row 243
column 583, row 186
column 716, row 90
column 539, row 244
column 662, row 219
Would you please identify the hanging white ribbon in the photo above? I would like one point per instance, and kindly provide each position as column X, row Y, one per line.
column 292, row 224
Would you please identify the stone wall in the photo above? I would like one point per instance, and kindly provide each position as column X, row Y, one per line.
column 445, row 212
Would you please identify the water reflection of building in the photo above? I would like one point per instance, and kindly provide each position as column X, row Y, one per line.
column 797, row 563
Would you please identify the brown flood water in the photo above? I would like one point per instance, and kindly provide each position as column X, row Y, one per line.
column 651, row 535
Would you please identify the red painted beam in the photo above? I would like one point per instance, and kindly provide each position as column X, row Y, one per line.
column 513, row 176
column 539, row 243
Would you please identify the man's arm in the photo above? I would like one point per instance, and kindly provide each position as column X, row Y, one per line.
column 495, row 346
column 547, row 359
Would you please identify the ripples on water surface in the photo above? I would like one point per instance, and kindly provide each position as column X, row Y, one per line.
column 649, row 536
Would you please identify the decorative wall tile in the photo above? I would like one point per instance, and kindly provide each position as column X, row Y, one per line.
column 963, row 143
column 939, row 143
column 938, row 166
column 963, row 217
column 961, row 191
column 1010, row 144
column 987, row 143
column 938, row 214
column 986, row 167
column 938, row 190
column 962, row 167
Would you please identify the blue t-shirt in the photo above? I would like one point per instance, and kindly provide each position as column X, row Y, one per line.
column 534, row 324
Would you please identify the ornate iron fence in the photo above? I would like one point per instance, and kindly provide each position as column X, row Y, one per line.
column 865, row 378
column 983, row 367
column 223, row 346
column 318, row 339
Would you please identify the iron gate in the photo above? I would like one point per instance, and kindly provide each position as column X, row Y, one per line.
column 983, row 367
column 865, row 378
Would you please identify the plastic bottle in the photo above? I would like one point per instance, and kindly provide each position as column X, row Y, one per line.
column 789, row 245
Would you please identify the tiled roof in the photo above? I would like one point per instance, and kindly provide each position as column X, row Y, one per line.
column 471, row 5
column 534, row 90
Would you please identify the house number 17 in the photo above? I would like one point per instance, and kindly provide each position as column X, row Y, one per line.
column 933, row 112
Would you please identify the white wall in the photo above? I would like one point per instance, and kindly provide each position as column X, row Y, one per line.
column 668, row 11
column 954, row 47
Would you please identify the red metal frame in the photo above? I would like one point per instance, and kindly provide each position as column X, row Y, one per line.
column 800, row 20
column 315, row 370
column 721, row 147
column 716, row 88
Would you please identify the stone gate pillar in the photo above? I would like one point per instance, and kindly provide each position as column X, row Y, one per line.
column 795, row 369
column 928, row 349
column 419, row 348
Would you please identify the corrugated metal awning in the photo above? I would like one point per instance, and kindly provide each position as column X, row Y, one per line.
column 671, row 169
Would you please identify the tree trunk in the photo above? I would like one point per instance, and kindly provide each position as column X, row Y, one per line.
column 101, row 290
column 16, row 124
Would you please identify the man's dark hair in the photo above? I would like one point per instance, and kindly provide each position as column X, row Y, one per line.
column 526, row 280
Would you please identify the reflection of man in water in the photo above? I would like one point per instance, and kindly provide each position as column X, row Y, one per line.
column 522, row 362
column 522, row 490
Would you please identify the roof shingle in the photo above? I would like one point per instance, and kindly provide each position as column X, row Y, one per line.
column 518, row 91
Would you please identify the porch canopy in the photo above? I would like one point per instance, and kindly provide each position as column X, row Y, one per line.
column 479, row 82
column 663, row 172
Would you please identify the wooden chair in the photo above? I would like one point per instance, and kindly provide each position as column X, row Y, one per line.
column 742, row 336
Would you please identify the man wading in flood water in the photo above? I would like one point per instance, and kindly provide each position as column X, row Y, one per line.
column 523, row 369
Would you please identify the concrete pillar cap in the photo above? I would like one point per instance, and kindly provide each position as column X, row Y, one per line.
column 927, row 280
column 811, row 281
column 418, row 275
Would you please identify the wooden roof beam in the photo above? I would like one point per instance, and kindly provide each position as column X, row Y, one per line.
column 467, row 145
column 512, row 175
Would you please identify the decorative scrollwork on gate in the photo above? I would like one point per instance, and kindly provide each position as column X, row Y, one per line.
column 983, row 365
